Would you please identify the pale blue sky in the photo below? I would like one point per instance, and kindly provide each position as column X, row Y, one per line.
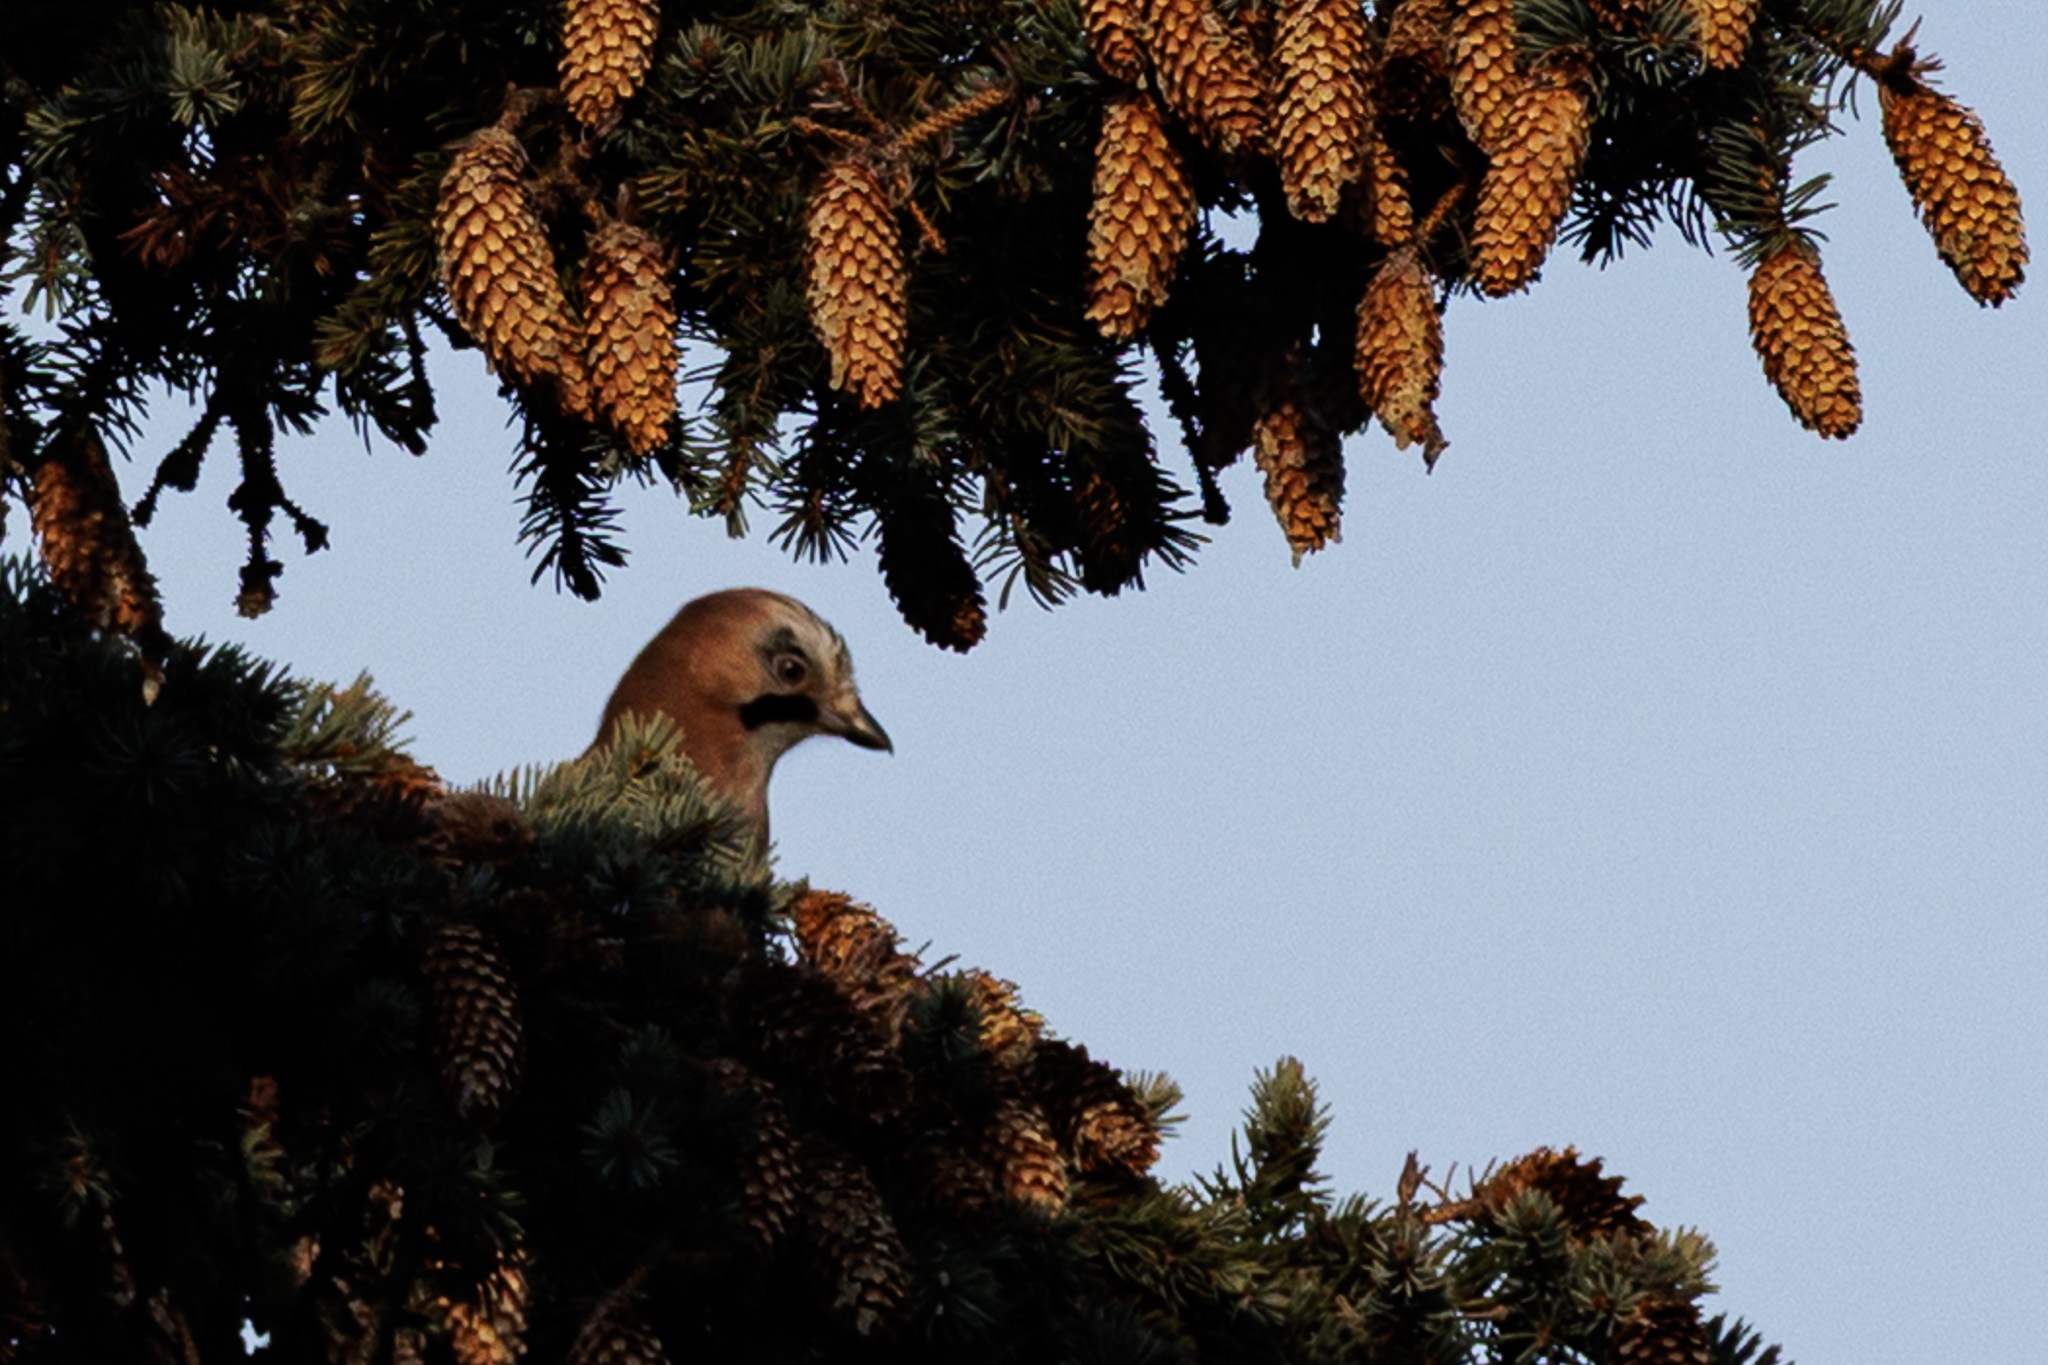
column 1655, row 777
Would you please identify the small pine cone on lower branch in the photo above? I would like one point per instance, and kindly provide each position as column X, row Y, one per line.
column 1022, row 1147
column 607, row 46
column 88, row 542
column 1140, row 218
column 1322, row 115
column 500, row 271
column 856, row 1243
column 1798, row 333
column 858, row 283
column 1400, row 357
column 1486, row 73
column 629, row 334
column 1528, row 185
column 1590, row 1201
column 1662, row 1332
column 1303, row 461
column 1969, row 204
column 1722, row 29
column 1208, row 75
column 478, row 1030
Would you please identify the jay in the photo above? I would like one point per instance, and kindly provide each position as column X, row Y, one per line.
column 746, row 674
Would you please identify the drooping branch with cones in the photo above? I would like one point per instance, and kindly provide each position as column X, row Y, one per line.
column 931, row 251
column 308, row 1051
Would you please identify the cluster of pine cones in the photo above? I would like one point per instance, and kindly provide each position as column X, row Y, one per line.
column 1330, row 98
column 1346, row 107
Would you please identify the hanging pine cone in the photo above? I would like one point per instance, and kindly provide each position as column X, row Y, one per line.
column 856, row 1242
column 607, row 46
column 1662, row 1332
column 629, row 334
column 615, row 1335
column 1969, row 205
column 1591, row 1203
column 1413, row 76
column 858, row 284
column 490, row 1329
column 1401, row 351
column 1139, row 221
column 88, row 543
column 1303, row 461
column 500, row 271
column 1528, row 184
column 478, row 1032
column 1721, row 27
column 1208, row 75
column 1485, row 68
column 954, row 1180
column 1805, row 348
column 1115, row 35
column 1021, row 1146
column 1389, row 212
column 1322, row 115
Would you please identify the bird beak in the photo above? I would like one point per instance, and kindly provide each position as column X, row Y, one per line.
column 851, row 722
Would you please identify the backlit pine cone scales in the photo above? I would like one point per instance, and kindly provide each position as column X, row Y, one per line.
column 1798, row 333
column 1528, row 185
column 500, row 271
column 1303, row 461
column 629, row 333
column 1322, row 118
column 1400, row 356
column 857, row 283
column 1140, row 218
column 1485, row 68
column 1115, row 34
column 1970, row 206
column 1722, row 29
column 607, row 46
column 1208, row 76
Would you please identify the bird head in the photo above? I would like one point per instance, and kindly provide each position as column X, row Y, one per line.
column 746, row 674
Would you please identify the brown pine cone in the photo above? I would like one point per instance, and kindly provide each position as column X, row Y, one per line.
column 858, row 284
column 607, row 46
column 1591, row 1203
column 1138, row 224
column 1485, row 68
column 1722, row 30
column 1798, row 332
column 1528, row 184
column 1116, row 30
column 1401, row 351
column 629, row 334
column 1964, row 196
column 1413, row 75
column 500, row 271
column 1208, row 75
column 1662, row 1332
column 1303, row 461
column 88, row 543
column 1322, row 115
column 615, row 1335
column 478, row 1029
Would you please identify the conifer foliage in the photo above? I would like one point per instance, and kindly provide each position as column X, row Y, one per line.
column 927, row 242
column 301, row 1040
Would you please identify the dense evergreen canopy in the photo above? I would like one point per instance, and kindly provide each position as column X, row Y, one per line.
column 300, row 1040
column 930, row 247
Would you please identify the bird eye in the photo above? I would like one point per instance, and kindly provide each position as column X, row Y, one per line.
column 791, row 670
